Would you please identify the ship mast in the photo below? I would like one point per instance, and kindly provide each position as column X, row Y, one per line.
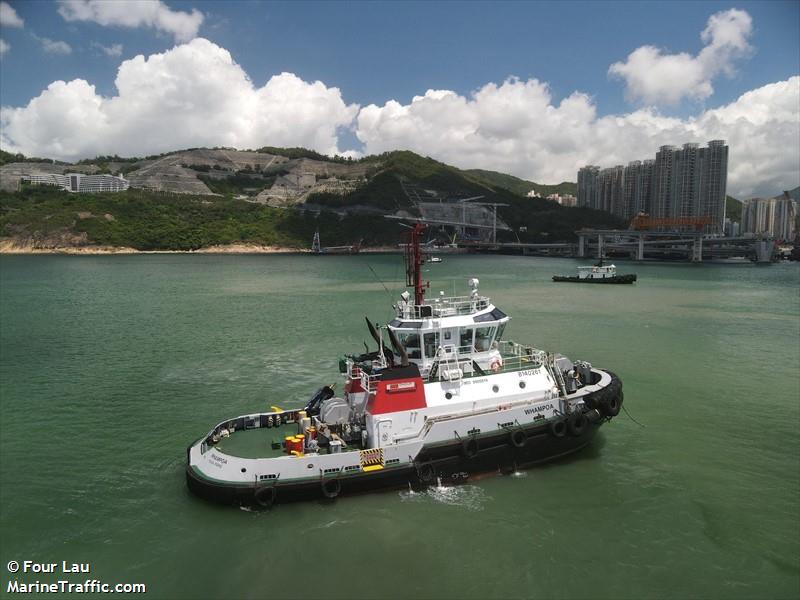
column 414, row 263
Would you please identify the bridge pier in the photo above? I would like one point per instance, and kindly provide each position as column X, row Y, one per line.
column 697, row 249
column 581, row 246
column 763, row 250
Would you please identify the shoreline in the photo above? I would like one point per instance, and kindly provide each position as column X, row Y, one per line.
column 10, row 248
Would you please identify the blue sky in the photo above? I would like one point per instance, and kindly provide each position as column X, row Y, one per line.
column 377, row 52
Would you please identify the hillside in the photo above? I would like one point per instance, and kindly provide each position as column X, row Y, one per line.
column 733, row 209
column 267, row 197
column 521, row 187
column 793, row 194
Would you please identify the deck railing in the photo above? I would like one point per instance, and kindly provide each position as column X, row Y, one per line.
column 444, row 307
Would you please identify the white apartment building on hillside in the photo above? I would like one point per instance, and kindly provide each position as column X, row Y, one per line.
column 79, row 182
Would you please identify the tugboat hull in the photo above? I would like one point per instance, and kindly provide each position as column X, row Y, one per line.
column 448, row 465
column 452, row 462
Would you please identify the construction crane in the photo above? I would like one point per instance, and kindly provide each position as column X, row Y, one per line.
column 643, row 221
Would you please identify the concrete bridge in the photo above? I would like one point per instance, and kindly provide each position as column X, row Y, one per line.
column 639, row 245
column 694, row 245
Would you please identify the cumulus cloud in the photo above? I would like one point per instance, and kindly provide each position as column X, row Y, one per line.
column 658, row 78
column 4, row 47
column 196, row 95
column 9, row 16
column 134, row 13
column 112, row 50
column 54, row 46
column 516, row 128
column 192, row 95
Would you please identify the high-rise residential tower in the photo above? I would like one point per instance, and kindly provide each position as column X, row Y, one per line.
column 680, row 182
column 587, row 186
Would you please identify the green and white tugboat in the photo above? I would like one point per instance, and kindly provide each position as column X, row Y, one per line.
column 442, row 397
column 598, row 273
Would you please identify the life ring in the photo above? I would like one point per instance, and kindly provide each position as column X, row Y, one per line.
column 558, row 428
column 470, row 447
column 265, row 496
column 518, row 438
column 496, row 365
column 331, row 488
column 426, row 472
column 577, row 424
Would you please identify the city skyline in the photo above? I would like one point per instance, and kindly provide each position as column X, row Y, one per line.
column 531, row 89
column 772, row 216
column 680, row 182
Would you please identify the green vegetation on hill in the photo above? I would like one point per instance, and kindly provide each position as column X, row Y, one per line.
column 303, row 153
column 237, row 184
column 152, row 221
column 733, row 209
column 8, row 157
column 542, row 220
column 521, row 187
column 381, row 191
column 395, row 180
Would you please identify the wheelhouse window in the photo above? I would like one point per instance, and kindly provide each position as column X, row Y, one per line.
column 465, row 340
column 500, row 329
column 431, row 344
column 411, row 343
column 483, row 338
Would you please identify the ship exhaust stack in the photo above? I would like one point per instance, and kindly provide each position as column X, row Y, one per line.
column 399, row 348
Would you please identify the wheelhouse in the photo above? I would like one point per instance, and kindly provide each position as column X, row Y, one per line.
column 597, row 272
column 450, row 328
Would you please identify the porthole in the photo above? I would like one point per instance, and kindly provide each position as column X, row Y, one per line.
column 495, row 389
column 522, row 385
column 448, row 395
column 309, row 466
column 244, row 470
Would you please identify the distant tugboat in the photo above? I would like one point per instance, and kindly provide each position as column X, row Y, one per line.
column 444, row 399
column 599, row 273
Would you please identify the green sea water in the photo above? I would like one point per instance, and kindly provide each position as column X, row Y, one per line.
column 111, row 365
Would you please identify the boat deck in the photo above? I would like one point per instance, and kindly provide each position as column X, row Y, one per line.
column 258, row 442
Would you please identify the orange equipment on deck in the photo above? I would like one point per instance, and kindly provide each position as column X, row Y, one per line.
column 642, row 221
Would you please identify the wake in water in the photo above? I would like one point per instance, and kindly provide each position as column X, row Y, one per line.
column 470, row 497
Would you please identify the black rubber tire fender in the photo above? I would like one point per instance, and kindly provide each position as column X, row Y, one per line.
column 470, row 447
column 577, row 424
column 518, row 438
column 558, row 428
column 592, row 400
column 426, row 472
column 265, row 496
column 612, row 404
column 331, row 488
column 594, row 416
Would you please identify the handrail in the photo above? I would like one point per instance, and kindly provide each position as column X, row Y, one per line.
column 445, row 306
